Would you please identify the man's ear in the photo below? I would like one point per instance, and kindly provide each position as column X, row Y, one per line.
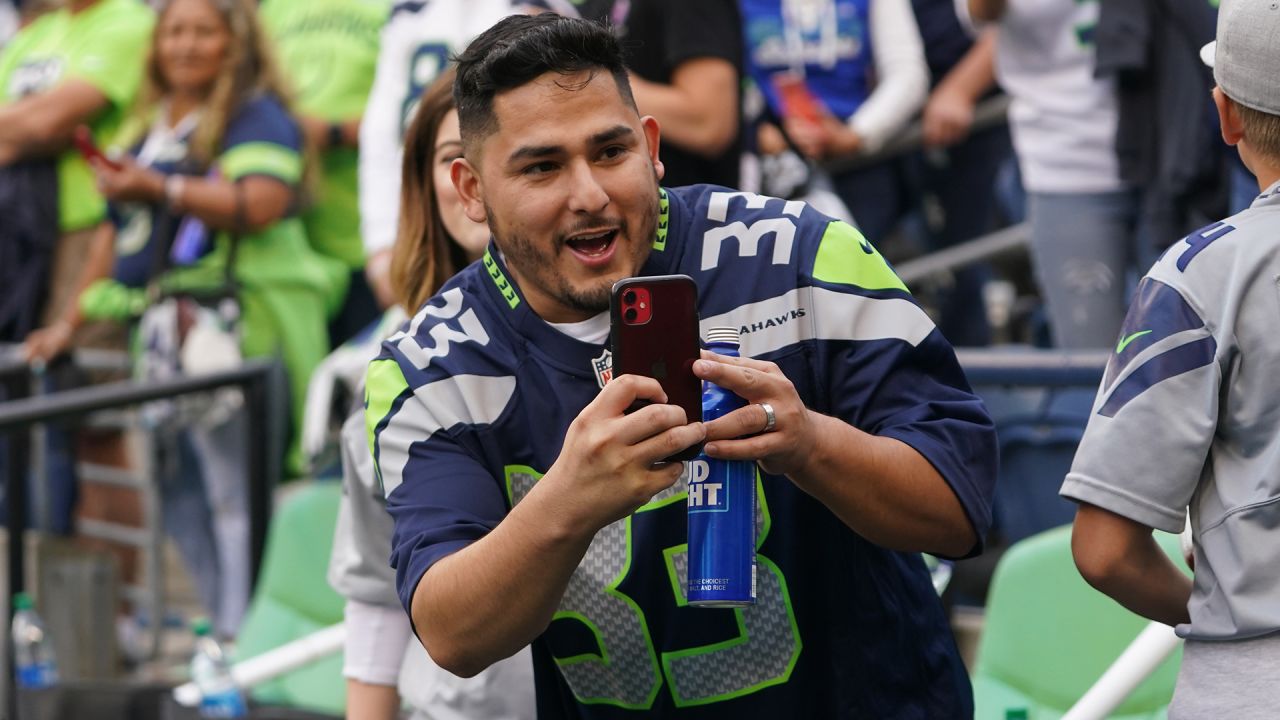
column 1228, row 118
column 470, row 189
column 653, row 136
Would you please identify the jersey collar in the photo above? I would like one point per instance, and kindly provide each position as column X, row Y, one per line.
column 556, row 348
column 567, row 353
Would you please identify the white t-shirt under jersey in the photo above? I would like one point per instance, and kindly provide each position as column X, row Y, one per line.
column 1063, row 119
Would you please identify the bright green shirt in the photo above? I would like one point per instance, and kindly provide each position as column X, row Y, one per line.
column 329, row 51
column 105, row 46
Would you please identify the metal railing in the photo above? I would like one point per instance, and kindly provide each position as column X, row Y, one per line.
column 989, row 113
column 261, row 383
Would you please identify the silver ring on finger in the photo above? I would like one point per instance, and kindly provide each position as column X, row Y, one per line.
column 770, row 420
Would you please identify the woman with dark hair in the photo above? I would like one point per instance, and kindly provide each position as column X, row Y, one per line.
column 204, row 212
column 434, row 241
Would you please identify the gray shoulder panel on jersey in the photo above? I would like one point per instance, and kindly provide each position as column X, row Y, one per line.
column 436, row 406
column 358, row 567
column 814, row 313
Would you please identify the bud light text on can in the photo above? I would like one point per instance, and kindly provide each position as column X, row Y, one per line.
column 721, row 507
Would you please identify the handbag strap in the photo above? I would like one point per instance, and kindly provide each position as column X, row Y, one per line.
column 160, row 261
column 237, row 230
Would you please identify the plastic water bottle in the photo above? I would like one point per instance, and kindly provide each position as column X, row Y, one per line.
column 33, row 658
column 219, row 695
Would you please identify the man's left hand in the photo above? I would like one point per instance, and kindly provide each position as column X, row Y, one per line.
column 741, row 435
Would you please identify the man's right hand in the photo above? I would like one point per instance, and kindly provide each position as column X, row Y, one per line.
column 608, row 467
column 611, row 462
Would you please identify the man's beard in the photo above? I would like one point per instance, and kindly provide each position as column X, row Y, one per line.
column 538, row 265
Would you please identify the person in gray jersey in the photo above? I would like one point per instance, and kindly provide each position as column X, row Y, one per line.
column 1188, row 415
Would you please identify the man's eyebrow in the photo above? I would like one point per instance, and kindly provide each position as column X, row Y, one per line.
column 617, row 132
column 529, row 152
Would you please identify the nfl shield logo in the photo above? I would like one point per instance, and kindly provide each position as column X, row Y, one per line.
column 603, row 367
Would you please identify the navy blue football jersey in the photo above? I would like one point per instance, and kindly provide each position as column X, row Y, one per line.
column 468, row 406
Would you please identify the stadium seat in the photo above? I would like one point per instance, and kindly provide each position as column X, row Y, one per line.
column 293, row 599
column 1038, row 430
column 1035, row 455
column 1048, row 636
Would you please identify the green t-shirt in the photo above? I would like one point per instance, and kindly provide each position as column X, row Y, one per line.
column 105, row 46
column 329, row 51
column 287, row 289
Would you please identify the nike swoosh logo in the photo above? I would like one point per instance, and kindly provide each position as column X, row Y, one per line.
column 1124, row 343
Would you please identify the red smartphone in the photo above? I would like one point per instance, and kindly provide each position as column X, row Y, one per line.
column 83, row 139
column 654, row 332
column 798, row 101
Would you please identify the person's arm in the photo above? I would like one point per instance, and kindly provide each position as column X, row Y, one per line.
column 377, row 637
column 880, row 487
column 902, row 75
column 985, row 10
column 948, row 114
column 367, row 701
column 697, row 105
column 42, row 124
column 698, row 111
column 378, row 630
column 463, row 608
column 211, row 199
column 46, row 343
column 324, row 135
column 1120, row 558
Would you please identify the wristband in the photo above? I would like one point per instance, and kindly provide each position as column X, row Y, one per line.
column 173, row 186
column 336, row 138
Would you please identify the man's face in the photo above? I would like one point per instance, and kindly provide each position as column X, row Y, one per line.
column 569, row 185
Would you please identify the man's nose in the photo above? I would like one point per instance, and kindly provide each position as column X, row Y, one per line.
column 586, row 194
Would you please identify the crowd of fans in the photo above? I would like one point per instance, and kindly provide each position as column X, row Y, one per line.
column 200, row 181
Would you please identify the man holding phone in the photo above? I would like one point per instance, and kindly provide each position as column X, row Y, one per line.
column 531, row 508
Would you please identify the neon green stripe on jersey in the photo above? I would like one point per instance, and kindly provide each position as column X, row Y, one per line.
column 846, row 258
column 384, row 383
column 664, row 215
column 261, row 158
column 500, row 279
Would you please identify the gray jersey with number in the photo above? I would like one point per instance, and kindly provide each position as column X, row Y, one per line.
column 1188, row 415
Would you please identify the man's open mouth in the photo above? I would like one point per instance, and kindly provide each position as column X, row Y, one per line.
column 593, row 245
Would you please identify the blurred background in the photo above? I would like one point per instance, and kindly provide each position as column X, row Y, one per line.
column 201, row 203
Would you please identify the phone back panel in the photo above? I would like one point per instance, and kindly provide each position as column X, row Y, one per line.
column 666, row 345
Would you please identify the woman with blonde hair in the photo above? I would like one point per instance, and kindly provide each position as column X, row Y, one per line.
column 205, row 217
column 434, row 241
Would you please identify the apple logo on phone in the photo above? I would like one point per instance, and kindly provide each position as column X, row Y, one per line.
column 659, row 370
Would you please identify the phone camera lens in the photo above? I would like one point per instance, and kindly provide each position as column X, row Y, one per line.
column 629, row 297
column 629, row 315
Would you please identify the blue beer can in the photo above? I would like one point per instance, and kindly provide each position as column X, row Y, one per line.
column 721, row 507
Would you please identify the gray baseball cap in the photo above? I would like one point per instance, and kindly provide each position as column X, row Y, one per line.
column 1246, row 55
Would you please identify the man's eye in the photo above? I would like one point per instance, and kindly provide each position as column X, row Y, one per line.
column 613, row 151
column 541, row 168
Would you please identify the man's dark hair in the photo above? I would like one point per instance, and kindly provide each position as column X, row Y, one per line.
column 521, row 48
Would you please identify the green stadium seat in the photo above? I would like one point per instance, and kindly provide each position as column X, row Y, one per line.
column 293, row 599
column 1048, row 636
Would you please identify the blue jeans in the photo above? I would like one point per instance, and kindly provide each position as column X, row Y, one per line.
column 1084, row 249
column 205, row 508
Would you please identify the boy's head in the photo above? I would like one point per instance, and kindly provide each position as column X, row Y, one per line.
column 1245, row 59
